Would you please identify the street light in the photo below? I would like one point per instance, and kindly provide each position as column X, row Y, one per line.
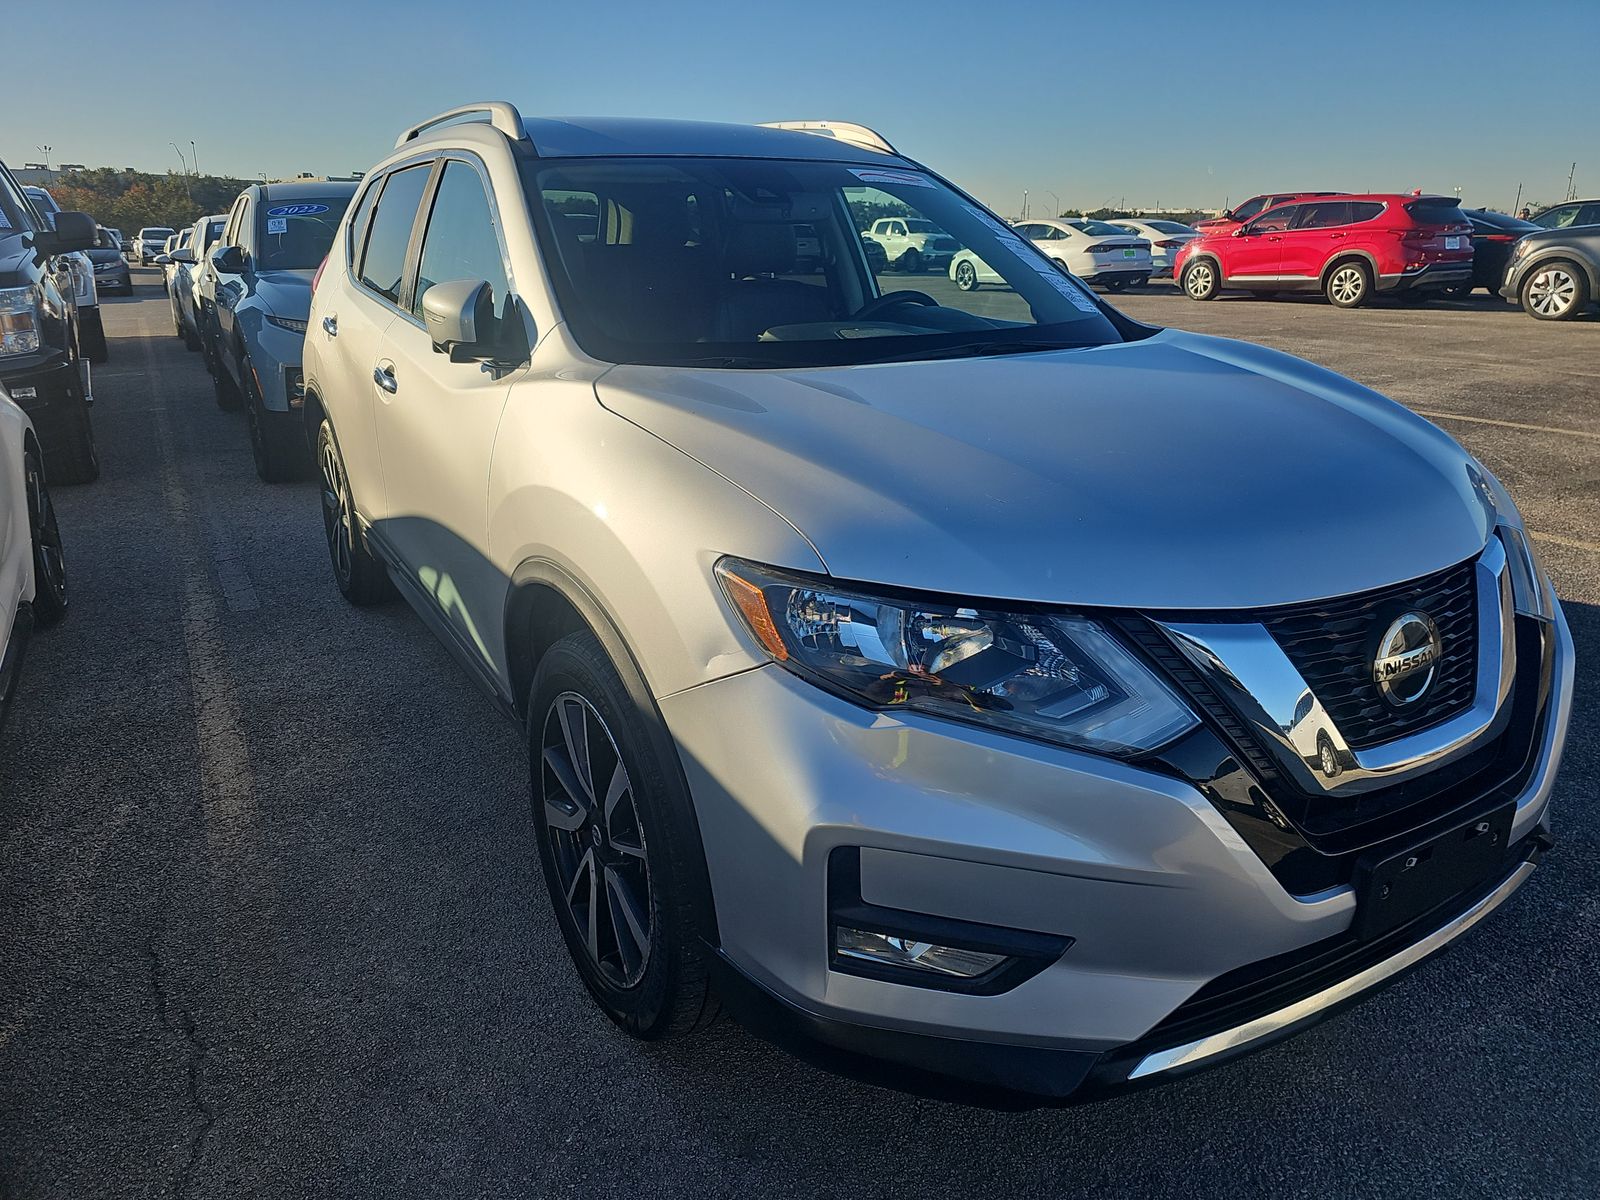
column 1056, row 211
column 185, row 163
column 45, row 150
column 194, row 157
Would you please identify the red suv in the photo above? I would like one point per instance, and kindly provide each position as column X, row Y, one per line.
column 1236, row 216
column 1346, row 247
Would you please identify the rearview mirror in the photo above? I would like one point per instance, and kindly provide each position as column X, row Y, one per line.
column 229, row 260
column 459, row 316
column 70, row 231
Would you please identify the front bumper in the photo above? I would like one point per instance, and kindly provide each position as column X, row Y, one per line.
column 1158, row 894
column 48, row 388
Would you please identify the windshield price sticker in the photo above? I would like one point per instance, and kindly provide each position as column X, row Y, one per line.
column 297, row 210
column 277, row 225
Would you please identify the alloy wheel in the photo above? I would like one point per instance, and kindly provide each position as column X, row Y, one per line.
column 1552, row 291
column 966, row 276
column 596, row 840
column 337, row 520
column 1347, row 285
column 1197, row 280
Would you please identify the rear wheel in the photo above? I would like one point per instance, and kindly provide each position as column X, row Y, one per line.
column 1349, row 285
column 1116, row 285
column 49, row 564
column 966, row 276
column 1556, row 291
column 911, row 262
column 1201, row 280
column 618, row 844
column 362, row 579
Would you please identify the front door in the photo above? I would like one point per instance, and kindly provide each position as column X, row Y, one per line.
column 1317, row 233
column 437, row 422
column 1257, row 251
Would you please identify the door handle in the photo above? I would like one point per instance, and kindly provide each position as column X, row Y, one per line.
column 383, row 376
column 330, row 326
column 1336, row 235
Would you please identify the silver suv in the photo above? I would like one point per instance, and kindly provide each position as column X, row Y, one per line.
column 983, row 681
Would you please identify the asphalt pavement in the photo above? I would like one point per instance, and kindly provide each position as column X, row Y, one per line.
column 271, row 923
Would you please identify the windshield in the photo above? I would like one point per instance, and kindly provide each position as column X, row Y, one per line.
column 42, row 200
column 922, row 227
column 695, row 261
column 155, row 234
column 1173, row 227
column 295, row 236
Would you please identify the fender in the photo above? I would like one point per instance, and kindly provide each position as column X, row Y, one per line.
column 1538, row 258
column 1342, row 255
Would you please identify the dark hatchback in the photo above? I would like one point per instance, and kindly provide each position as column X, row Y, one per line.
column 111, row 273
column 1493, row 235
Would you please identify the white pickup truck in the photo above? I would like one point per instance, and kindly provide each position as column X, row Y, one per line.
column 912, row 244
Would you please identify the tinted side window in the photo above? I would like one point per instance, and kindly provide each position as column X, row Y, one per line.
column 360, row 221
column 1324, row 214
column 1275, row 221
column 1589, row 214
column 384, row 263
column 1250, row 208
column 1364, row 210
column 461, row 242
column 241, row 234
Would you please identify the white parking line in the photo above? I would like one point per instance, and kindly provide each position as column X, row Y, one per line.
column 1444, row 416
column 1573, row 543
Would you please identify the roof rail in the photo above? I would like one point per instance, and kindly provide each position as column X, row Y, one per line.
column 502, row 114
column 856, row 135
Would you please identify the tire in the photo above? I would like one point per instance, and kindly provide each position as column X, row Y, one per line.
column 1202, row 280
column 360, row 576
column 191, row 336
column 1117, row 285
column 76, row 459
column 1349, row 284
column 911, row 262
column 623, row 878
column 1554, row 291
column 967, row 276
column 49, row 563
column 1457, row 291
column 177, row 318
column 279, row 454
column 223, row 389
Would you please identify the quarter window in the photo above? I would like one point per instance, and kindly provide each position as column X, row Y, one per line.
column 1364, row 210
column 461, row 242
column 383, row 265
column 1589, row 214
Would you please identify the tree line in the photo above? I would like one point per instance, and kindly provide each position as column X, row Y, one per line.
column 131, row 200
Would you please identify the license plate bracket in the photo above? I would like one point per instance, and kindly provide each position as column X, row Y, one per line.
column 1396, row 888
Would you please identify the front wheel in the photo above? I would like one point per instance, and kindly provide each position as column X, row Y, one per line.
column 1555, row 291
column 966, row 276
column 49, row 563
column 1349, row 285
column 911, row 262
column 223, row 389
column 618, row 844
column 1201, row 280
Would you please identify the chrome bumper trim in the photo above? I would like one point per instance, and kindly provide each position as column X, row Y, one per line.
column 1262, row 1027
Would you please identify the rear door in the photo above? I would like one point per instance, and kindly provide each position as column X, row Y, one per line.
column 437, row 422
column 1320, row 228
column 366, row 302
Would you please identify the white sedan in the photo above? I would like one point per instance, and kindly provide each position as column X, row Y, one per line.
column 1095, row 252
column 33, row 577
column 1166, row 238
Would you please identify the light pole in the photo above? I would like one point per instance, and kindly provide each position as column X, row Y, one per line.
column 1055, row 212
column 1024, row 204
column 45, row 150
column 181, row 159
column 194, row 157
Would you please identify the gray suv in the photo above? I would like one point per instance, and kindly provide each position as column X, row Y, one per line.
column 987, row 682
column 1555, row 273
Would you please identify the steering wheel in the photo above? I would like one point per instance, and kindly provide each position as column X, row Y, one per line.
column 889, row 300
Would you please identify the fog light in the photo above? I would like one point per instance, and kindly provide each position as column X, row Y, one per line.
column 297, row 387
column 894, row 951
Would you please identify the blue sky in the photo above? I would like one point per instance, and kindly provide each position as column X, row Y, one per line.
column 1172, row 103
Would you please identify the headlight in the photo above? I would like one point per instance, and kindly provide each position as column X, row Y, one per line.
column 1057, row 676
column 1532, row 593
column 288, row 323
column 19, row 321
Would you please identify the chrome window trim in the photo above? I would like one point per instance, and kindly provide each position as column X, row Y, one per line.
column 1304, row 1010
column 1248, row 668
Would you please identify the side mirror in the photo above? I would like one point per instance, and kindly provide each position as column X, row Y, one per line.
column 185, row 256
column 70, row 231
column 230, row 260
column 1243, row 231
column 459, row 316
column 163, row 260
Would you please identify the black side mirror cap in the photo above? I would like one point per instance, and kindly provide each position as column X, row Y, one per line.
column 72, row 231
column 230, row 260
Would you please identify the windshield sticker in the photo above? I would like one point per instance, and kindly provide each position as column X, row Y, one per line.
column 297, row 210
column 277, row 225
column 879, row 175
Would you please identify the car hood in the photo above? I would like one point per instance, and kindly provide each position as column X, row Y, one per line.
column 286, row 293
column 1178, row 472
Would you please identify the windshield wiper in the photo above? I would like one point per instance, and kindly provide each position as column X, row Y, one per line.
column 984, row 349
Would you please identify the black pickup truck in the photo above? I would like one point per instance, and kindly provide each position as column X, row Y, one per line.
column 41, row 344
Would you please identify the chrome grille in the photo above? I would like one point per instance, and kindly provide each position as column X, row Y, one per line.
column 1332, row 644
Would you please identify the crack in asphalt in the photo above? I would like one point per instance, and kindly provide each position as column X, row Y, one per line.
column 195, row 1055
